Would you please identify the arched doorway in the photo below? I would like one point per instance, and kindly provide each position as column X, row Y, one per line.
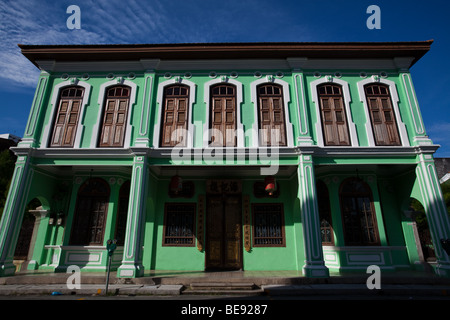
column 21, row 253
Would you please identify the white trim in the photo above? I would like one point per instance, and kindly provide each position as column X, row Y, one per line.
column 96, row 129
column 47, row 134
column 158, row 115
column 286, row 100
column 394, row 97
column 347, row 100
column 239, row 125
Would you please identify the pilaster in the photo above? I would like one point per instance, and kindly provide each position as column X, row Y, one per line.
column 435, row 210
column 304, row 135
column 143, row 137
column 132, row 254
column 13, row 214
column 314, row 263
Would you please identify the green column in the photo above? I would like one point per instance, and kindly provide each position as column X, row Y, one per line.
column 314, row 263
column 435, row 210
column 132, row 252
column 13, row 214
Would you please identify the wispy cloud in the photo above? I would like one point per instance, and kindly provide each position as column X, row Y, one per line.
column 132, row 21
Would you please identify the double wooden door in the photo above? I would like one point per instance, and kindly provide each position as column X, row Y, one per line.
column 224, row 232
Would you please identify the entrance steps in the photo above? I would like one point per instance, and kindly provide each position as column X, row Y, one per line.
column 240, row 288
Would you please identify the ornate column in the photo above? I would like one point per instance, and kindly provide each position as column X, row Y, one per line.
column 13, row 214
column 314, row 263
column 435, row 210
column 134, row 235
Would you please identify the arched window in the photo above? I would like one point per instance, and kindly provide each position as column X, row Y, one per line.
column 90, row 213
column 358, row 214
column 223, row 115
column 67, row 117
column 382, row 116
column 175, row 116
column 272, row 129
column 323, row 200
column 122, row 213
column 332, row 112
column 115, row 113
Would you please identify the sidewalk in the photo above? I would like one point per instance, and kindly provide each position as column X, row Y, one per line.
column 280, row 284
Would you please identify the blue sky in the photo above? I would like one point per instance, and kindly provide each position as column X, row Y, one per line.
column 185, row 21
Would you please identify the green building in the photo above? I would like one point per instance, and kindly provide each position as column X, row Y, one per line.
column 252, row 156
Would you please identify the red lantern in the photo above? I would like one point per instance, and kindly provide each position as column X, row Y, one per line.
column 270, row 185
column 176, row 184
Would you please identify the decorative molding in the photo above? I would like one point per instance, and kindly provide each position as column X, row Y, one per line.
column 159, row 110
column 239, row 99
column 347, row 100
column 286, row 101
column 247, row 224
column 394, row 97
column 96, row 129
column 201, row 222
column 47, row 132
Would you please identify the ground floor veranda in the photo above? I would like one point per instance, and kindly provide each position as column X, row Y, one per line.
column 321, row 218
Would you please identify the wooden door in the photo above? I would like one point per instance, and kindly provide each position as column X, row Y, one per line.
column 381, row 112
column 223, row 234
column 334, row 120
column 223, row 116
column 271, row 116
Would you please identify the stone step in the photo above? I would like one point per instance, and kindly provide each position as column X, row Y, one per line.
column 222, row 285
column 232, row 288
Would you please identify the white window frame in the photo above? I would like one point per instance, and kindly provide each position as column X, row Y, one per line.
column 394, row 98
column 159, row 99
column 239, row 99
column 96, row 130
column 286, row 101
column 347, row 100
column 48, row 129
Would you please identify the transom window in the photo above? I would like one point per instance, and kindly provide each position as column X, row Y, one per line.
column 358, row 214
column 334, row 120
column 179, row 224
column 175, row 116
column 382, row 116
column 268, row 225
column 272, row 129
column 115, row 114
column 66, row 120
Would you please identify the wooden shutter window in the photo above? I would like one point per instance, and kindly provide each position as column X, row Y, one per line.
column 66, row 120
column 223, row 115
column 175, row 116
column 271, row 115
column 115, row 117
column 334, row 119
column 382, row 116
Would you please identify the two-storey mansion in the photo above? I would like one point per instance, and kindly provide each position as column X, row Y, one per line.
column 252, row 156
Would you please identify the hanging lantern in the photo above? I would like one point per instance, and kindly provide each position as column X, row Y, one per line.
column 270, row 185
column 176, row 184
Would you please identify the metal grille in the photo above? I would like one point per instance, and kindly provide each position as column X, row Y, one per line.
column 268, row 225
column 179, row 224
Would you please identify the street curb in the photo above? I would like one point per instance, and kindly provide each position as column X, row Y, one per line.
column 9, row 290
